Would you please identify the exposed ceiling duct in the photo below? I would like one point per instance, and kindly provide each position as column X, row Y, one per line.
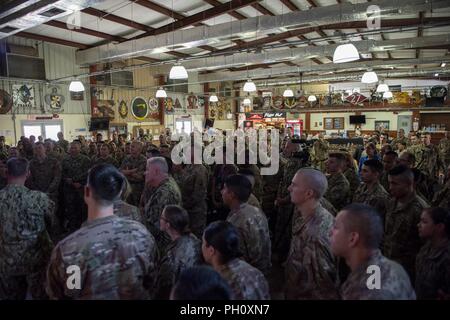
column 249, row 28
column 20, row 18
column 354, row 77
column 304, row 53
column 324, row 68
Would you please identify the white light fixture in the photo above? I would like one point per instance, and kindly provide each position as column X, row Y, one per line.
column 76, row 86
column 213, row 98
column 369, row 77
column 178, row 72
column 382, row 87
column 229, row 115
column 161, row 93
column 345, row 53
column 443, row 64
column 288, row 93
column 249, row 86
column 247, row 101
column 387, row 95
column 436, row 74
column 312, row 98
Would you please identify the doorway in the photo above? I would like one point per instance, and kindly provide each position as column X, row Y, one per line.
column 46, row 129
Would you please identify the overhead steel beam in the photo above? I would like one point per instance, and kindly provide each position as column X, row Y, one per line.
column 111, row 17
column 233, row 13
column 40, row 37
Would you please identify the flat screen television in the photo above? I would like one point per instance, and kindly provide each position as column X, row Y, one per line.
column 357, row 119
column 99, row 124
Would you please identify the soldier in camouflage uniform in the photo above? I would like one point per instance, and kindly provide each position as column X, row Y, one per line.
column 283, row 226
column 258, row 186
column 220, row 248
column 361, row 251
column 430, row 162
column 3, row 149
column 25, row 245
column 193, row 182
column 64, row 144
column 400, row 139
column 350, row 173
column 319, row 153
column 371, row 192
column 116, row 257
column 133, row 167
column 51, row 151
column 390, row 160
column 165, row 192
column 126, row 210
column 74, row 174
column 442, row 198
column 183, row 252
column 3, row 175
column 433, row 259
column 104, row 156
column 270, row 189
column 401, row 240
column 310, row 267
column 252, row 200
column 444, row 149
column 338, row 192
column 250, row 222
column 415, row 148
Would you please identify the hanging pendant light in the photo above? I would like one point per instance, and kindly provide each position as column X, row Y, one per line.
column 345, row 53
column 213, row 98
column 387, row 95
column 76, row 86
column 247, row 101
column 178, row 72
column 161, row 93
column 288, row 93
column 249, row 86
column 312, row 98
column 382, row 87
column 369, row 77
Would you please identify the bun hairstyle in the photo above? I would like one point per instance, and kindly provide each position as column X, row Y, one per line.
column 106, row 183
column 178, row 218
column 223, row 237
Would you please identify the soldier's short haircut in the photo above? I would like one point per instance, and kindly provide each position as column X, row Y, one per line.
column 409, row 156
column 374, row 165
column 440, row 215
column 404, row 143
column 402, row 171
column 316, row 181
column 153, row 152
column 106, row 183
column 38, row 144
column 160, row 162
column 391, row 153
column 240, row 185
column 178, row 218
column 201, row 283
column 76, row 142
column 223, row 237
column 366, row 221
column 339, row 156
column 17, row 167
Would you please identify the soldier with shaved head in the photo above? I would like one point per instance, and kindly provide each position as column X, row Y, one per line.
column 133, row 167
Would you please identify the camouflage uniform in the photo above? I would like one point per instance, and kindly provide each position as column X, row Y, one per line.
column 193, row 183
column 253, row 201
column 328, row 206
column 184, row 252
column 319, row 154
column 442, row 198
column 254, row 239
column 63, row 144
column 107, row 160
column 258, row 187
column 338, row 191
column 401, row 238
column 166, row 193
column 377, row 197
column 311, row 268
column 126, row 210
column 444, row 152
column 45, row 176
column 353, row 179
column 282, row 236
column 395, row 283
column 384, row 181
column 245, row 281
column 117, row 259
column 56, row 155
column 429, row 160
column 75, row 168
column 416, row 150
column 433, row 270
column 270, row 189
column 25, row 245
column 399, row 140
column 137, row 185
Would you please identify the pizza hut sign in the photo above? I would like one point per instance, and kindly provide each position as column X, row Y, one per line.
column 274, row 115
